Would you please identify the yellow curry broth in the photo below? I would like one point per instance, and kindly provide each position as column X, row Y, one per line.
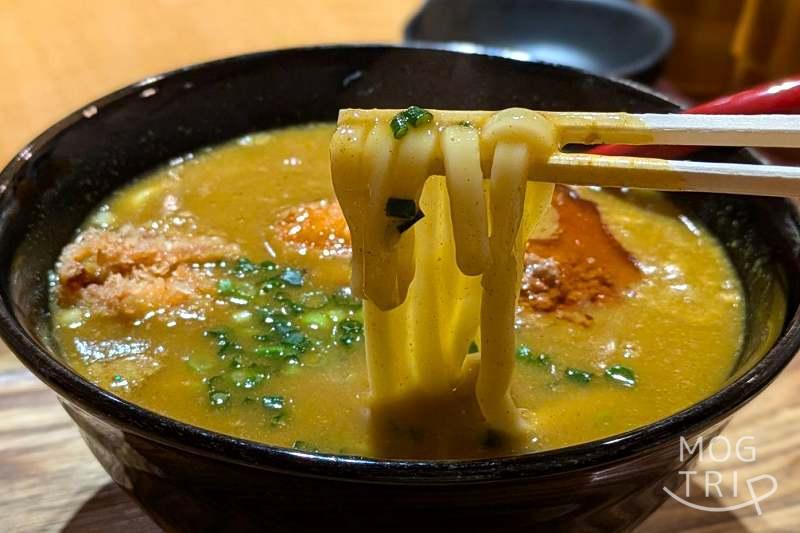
column 678, row 328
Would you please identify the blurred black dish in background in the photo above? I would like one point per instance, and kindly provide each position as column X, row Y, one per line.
column 608, row 37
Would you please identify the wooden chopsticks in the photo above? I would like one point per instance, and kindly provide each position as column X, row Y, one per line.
column 664, row 175
column 779, row 131
column 774, row 131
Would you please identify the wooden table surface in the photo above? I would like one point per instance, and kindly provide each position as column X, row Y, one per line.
column 57, row 55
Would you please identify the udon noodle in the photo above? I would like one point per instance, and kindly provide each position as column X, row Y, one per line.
column 434, row 285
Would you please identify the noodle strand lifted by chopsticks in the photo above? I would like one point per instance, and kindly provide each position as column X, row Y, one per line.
column 453, row 277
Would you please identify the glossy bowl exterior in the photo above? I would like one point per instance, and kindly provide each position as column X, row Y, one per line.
column 191, row 479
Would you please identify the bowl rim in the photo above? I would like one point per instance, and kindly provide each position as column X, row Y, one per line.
column 662, row 44
column 77, row 392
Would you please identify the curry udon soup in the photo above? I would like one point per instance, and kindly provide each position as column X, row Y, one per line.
column 217, row 291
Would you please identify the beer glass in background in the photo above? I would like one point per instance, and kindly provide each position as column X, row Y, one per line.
column 725, row 45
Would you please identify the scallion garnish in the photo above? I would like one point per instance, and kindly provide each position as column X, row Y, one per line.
column 524, row 353
column 621, row 375
column 225, row 286
column 413, row 116
column 272, row 332
column 349, row 331
column 345, row 298
column 247, row 378
column 399, row 125
column 272, row 402
column 244, row 266
column 406, row 224
column 404, row 209
column 418, row 116
column 578, row 376
column 401, row 208
column 292, row 277
column 274, row 351
column 544, row 360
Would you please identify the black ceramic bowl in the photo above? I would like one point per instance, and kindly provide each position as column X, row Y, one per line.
column 195, row 480
column 607, row 37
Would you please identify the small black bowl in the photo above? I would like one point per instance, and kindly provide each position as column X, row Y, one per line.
column 191, row 479
column 607, row 37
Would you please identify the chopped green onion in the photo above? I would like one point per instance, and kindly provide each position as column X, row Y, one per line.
column 273, row 402
column 118, row 381
column 241, row 290
column 418, row 116
column 225, row 286
column 524, row 352
column 578, row 376
column 345, row 298
column 282, row 326
column 401, row 208
column 337, row 315
column 244, row 266
column 293, row 277
column 274, row 351
column 406, row 224
column 399, row 125
column 298, row 341
column 414, row 116
column 621, row 375
column 281, row 296
column 247, row 378
column 348, row 331
column 237, row 361
column 270, row 284
column 223, row 341
column 216, row 333
column 316, row 321
column 267, row 337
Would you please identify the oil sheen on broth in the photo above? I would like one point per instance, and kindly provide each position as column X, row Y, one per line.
column 630, row 310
